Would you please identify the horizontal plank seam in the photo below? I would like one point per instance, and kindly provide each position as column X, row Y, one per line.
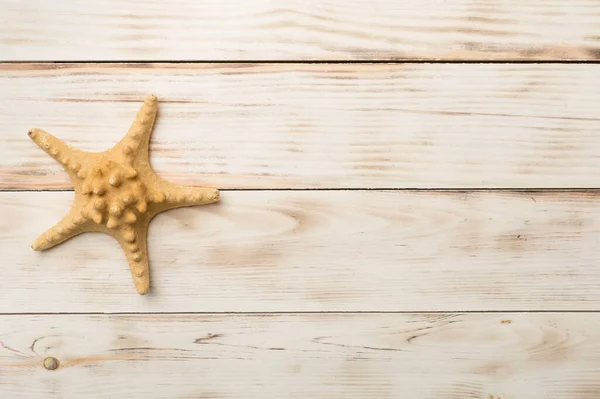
column 303, row 62
column 410, row 189
column 336, row 312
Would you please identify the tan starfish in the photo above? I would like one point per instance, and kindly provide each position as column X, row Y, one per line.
column 117, row 192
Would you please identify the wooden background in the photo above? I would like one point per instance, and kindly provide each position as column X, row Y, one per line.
column 410, row 203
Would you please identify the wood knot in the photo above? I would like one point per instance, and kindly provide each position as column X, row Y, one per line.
column 51, row 363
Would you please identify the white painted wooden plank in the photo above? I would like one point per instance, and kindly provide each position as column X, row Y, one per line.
column 454, row 356
column 318, row 251
column 299, row 30
column 306, row 126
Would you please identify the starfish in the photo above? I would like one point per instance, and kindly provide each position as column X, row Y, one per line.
column 117, row 192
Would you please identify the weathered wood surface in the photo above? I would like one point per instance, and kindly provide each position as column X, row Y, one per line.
column 301, row 294
column 492, row 356
column 318, row 251
column 307, row 126
column 300, row 30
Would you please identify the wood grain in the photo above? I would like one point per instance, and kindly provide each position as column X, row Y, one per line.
column 316, row 126
column 299, row 30
column 293, row 251
column 491, row 356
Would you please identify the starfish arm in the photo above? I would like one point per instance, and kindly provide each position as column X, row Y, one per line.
column 71, row 225
column 134, row 146
column 70, row 158
column 164, row 195
column 134, row 243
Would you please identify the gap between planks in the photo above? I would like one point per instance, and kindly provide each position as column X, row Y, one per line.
column 516, row 190
column 308, row 313
column 305, row 62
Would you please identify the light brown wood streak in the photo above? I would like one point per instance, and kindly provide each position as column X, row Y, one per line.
column 320, row 125
column 455, row 356
column 293, row 251
column 300, row 30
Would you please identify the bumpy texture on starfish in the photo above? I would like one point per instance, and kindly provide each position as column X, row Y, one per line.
column 117, row 192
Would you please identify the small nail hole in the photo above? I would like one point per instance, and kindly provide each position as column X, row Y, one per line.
column 50, row 363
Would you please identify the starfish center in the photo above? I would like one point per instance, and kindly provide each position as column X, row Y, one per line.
column 114, row 194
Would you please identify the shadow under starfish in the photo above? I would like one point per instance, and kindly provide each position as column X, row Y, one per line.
column 117, row 192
